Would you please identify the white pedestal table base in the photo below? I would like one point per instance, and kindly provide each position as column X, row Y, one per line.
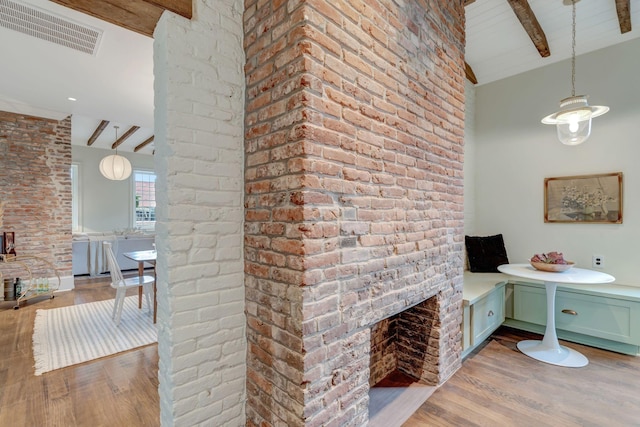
column 549, row 349
column 562, row 356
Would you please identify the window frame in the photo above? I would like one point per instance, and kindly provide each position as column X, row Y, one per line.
column 151, row 224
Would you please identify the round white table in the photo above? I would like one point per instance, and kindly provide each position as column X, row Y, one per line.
column 548, row 349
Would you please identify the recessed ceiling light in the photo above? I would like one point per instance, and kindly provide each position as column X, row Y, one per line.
column 71, row 99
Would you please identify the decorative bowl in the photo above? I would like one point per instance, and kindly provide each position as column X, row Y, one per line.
column 553, row 268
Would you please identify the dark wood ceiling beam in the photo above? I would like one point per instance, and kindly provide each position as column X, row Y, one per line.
column 180, row 7
column 143, row 144
column 140, row 16
column 96, row 133
column 624, row 15
column 470, row 74
column 126, row 135
column 531, row 25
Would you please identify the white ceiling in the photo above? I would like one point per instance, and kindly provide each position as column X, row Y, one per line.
column 116, row 84
column 498, row 46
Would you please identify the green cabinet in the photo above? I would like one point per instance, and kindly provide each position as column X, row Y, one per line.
column 483, row 307
column 487, row 314
column 606, row 316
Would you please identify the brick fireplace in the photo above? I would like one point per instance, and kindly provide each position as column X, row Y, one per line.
column 353, row 201
column 408, row 342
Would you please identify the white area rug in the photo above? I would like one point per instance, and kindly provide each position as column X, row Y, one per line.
column 66, row 336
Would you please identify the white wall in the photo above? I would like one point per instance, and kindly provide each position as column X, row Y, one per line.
column 469, row 168
column 105, row 205
column 515, row 152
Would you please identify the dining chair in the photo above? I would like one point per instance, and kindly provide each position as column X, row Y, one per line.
column 121, row 284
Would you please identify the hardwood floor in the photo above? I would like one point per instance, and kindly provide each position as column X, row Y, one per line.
column 499, row 386
column 496, row 386
column 120, row 390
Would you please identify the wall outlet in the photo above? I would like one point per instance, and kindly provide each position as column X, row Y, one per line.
column 597, row 261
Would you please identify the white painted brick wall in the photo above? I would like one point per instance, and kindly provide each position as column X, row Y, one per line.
column 199, row 101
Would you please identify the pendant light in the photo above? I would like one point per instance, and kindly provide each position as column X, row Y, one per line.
column 115, row 167
column 573, row 120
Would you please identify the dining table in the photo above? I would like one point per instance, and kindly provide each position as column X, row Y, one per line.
column 142, row 257
column 548, row 349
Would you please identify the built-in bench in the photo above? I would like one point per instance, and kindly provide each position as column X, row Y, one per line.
column 604, row 316
column 483, row 307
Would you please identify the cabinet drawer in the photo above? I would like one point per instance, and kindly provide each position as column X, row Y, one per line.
column 602, row 317
column 486, row 315
column 597, row 316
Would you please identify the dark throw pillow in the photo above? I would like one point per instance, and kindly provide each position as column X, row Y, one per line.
column 485, row 253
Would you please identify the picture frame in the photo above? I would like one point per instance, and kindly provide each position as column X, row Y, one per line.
column 592, row 199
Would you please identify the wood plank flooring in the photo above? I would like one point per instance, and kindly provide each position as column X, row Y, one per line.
column 496, row 386
column 120, row 390
column 499, row 386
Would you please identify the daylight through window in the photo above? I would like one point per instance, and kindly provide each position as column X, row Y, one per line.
column 145, row 200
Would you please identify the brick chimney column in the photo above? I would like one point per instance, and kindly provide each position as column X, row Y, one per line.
column 353, row 194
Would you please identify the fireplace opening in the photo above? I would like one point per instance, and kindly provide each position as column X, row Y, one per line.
column 403, row 364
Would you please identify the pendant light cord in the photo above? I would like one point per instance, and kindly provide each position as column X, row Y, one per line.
column 573, row 51
column 116, row 128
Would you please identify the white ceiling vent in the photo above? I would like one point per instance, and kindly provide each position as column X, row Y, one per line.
column 44, row 25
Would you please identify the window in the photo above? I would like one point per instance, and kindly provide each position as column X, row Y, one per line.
column 75, row 198
column 145, row 200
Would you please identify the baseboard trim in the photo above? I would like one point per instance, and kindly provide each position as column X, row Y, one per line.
column 66, row 283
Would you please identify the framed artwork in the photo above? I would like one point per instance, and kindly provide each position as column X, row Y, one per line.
column 9, row 242
column 595, row 199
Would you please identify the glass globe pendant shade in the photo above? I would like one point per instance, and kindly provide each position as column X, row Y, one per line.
column 115, row 167
column 574, row 133
column 573, row 120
